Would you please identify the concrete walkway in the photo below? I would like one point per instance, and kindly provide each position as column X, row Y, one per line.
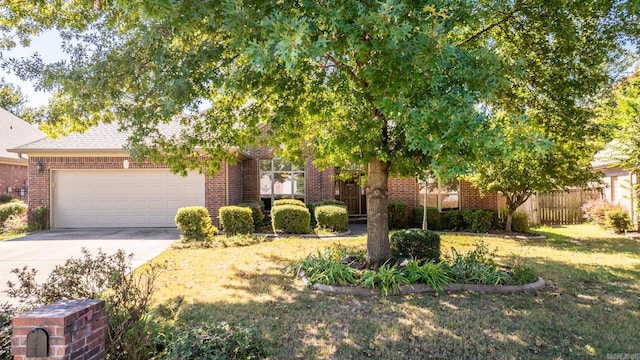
column 44, row 250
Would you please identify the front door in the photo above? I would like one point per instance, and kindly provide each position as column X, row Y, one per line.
column 350, row 194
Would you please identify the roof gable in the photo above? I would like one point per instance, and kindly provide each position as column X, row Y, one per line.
column 15, row 132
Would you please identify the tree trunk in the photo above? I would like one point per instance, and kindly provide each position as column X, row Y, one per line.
column 378, row 248
column 507, row 226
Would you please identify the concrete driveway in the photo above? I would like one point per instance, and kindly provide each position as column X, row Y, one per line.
column 44, row 250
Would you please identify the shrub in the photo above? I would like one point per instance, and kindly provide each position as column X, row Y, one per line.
column 109, row 277
column 195, row 224
column 478, row 267
column 479, row 221
column 216, row 341
column 15, row 224
column 452, row 220
column 257, row 211
column 428, row 273
column 595, row 211
column 290, row 219
column 295, row 202
column 328, row 266
column 433, row 217
column 418, row 244
column 387, row 278
column 12, row 208
column 236, row 220
column 5, row 198
column 520, row 222
column 617, row 219
column 312, row 207
column 7, row 313
column 37, row 218
column 398, row 214
column 332, row 217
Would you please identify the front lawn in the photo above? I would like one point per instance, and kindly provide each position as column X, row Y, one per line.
column 590, row 307
column 4, row 236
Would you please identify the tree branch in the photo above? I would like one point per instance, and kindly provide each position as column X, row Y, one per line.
column 508, row 17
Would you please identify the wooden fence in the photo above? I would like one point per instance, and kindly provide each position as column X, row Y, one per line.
column 559, row 207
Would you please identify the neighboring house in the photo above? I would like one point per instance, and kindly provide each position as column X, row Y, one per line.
column 87, row 180
column 13, row 168
column 618, row 183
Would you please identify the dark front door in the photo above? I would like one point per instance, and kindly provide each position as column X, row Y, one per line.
column 350, row 195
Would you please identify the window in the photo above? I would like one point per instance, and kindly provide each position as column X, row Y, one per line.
column 441, row 195
column 280, row 179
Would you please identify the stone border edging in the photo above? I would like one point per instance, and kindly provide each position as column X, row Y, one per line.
column 421, row 288
column 504, row 236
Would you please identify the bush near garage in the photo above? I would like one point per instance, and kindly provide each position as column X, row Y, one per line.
column 12, row 208
column 236, row 220
column 195, row 224
column 334, row 218
column 290, row 219
column 37, row 218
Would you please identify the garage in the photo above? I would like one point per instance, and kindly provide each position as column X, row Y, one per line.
column 121, row 198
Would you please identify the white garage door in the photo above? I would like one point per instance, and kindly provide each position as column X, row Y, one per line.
column 121, row 198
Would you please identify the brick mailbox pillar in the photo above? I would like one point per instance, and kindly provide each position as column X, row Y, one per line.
column 67, row 329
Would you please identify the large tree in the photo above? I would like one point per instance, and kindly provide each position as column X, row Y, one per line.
column 13, row 100
column 395, row 86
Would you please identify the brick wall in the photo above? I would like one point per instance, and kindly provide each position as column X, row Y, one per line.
column 12, row 175
column 404, row 189
column 76, row 330
column 40, row 190
column 472, row 199
column 235, row 184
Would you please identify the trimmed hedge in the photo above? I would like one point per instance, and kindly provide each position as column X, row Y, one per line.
column 290, row 219
column 12, row 208
column 398, row 214
column 332, row 217
column 479, row 221
column 433, row 217
column 295, row 202
column 312, row 207
column 418, row 244
column 618, row 220
column 452, row 220
column 195, row 224
column 257, row 211
column 236, row 220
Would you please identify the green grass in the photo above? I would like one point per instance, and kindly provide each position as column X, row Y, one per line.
column 589, row 309
column 10, row 236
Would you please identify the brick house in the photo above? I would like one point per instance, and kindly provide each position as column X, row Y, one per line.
column 13, row 168
column 88, row 180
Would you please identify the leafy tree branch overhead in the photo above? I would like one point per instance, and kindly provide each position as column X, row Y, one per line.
column 396, row 86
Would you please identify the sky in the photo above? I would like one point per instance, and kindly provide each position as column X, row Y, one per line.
column 48, row 45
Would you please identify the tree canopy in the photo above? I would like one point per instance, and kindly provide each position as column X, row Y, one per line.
column 14, row 101
column 396, row 86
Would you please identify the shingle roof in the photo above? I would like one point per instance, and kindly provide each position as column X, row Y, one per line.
column 15, row 132
column 100, row 137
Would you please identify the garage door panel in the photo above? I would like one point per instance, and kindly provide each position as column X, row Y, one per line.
column 122, row 198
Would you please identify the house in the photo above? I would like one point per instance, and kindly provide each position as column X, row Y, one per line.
column 13, row 168
column 618, row 183
column 87, row 180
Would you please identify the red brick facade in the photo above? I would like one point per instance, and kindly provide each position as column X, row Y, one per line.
column 14, row 176
column 405, row 190
column 472, row 199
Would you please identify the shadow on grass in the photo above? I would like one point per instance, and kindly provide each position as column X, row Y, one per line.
column 610, row 244
column 585, row 312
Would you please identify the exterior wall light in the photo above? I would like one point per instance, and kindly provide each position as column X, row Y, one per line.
column 125, row 164
column 39, row 167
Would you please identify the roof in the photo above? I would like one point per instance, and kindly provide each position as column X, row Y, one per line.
column 15, row 132
column 608, row 157
column 100, row 138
